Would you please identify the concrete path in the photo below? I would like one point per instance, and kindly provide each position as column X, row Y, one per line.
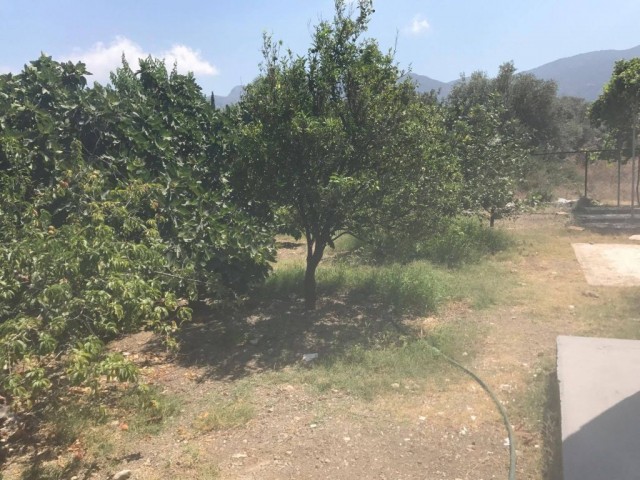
column 600, row 405
column 609, row 264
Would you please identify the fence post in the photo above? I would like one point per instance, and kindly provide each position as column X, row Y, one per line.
column 586, row 172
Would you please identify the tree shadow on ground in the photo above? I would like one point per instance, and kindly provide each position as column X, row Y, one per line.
column 275, row 334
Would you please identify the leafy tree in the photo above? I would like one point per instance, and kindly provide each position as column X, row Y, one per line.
column 530, row 101
column 527, row 100
column 574, row 131
column 339, row 140
column 492, row 155
column 618, row 107
column 115, row 212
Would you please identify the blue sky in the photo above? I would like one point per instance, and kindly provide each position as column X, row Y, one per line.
column 220, row 40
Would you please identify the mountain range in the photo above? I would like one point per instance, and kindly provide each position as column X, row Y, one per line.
column 581, row 75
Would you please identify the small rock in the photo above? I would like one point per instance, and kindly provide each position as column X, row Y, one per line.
column 635, row 237
column 395, row 385
column 422, row 418
column 572, row 307
column 254, row 341
column 575, row 228
column 239, row 455
column 589, row 293
column 122, row 475
column 562, row 213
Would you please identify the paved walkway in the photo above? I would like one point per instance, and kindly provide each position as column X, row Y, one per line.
column 600, row 404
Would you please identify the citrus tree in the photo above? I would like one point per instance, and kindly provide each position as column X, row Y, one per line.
column 339, row 139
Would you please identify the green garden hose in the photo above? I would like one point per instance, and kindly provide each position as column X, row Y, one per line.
column 485, row 387
column 507, row 424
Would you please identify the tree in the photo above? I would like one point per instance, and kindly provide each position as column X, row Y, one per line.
column 490, row 142
column 618, row 107
column 337, row 137
column 115, row 213
column 492, row 154
column 527, row 100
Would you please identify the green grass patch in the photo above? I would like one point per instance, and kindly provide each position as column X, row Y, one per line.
column 480, row 285
column 224, row 412
column 415, row 287
column 393, row 364
column 147, row 409
column 466, row 240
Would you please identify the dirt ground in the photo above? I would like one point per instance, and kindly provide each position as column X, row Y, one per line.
column 446, row 428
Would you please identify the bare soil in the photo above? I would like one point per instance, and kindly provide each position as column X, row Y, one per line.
column 445, row 428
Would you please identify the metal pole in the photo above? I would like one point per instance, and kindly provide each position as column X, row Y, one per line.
column 586, row 172
column 633, row 168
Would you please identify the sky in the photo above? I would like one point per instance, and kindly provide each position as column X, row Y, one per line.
column 220, row 40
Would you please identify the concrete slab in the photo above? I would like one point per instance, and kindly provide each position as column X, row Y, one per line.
column 599, row 382
column 609, row 264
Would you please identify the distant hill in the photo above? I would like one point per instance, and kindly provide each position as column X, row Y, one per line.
column 426, row 84
column 233, row 97
column 583, row 75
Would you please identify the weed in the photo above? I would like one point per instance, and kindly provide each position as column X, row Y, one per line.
column 414, row 287
column 148, row 408
column 465, row 240
column 225, row 412
column 392, row 364
column 49, row 471
column 69, row 419
column 482, row 285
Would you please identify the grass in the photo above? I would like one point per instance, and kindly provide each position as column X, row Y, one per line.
column 417, row 287
column 394, row 364
column 466, row 240
column 413, row 287
column 147, row 409
column 224, row 412
column 616, row 315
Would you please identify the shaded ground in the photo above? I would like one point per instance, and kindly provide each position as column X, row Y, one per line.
column 441, row 427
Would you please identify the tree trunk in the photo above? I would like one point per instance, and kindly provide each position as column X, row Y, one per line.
column 313, row 259
column 310, row 285
column 492, row 218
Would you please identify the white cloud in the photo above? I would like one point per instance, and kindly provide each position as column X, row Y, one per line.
column 101, row 58
column 189, row 60
column 418, row 25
